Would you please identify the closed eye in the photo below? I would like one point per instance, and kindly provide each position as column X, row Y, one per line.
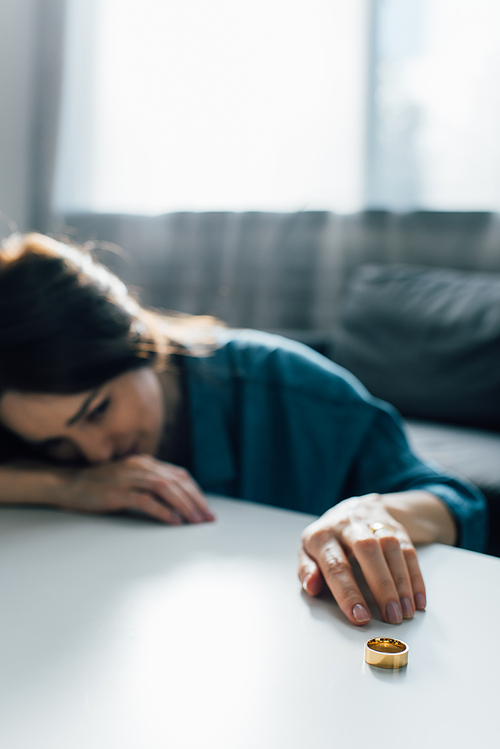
column 98, row 412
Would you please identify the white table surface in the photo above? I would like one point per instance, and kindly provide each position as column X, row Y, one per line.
column 118, row 632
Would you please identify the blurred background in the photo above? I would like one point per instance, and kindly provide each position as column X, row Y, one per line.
column 327, row 169
column 248, row 155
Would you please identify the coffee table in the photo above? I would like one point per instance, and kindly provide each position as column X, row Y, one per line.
column 120, row 632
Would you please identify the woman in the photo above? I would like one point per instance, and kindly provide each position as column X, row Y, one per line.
column 105, row 406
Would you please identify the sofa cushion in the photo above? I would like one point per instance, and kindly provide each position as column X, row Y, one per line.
column 472, row 453
column 425, row 339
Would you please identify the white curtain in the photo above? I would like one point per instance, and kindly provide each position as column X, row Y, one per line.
column 436, row 105
column 31, row 45
column 280, row 105
column 220, row 105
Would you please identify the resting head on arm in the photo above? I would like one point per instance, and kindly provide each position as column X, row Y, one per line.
column 82, row 366
column 80, row 391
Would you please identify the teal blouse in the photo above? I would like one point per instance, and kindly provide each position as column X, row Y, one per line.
column 272, row 421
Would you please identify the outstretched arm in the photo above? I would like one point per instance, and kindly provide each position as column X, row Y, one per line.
column 425, row 516
column 386, row 465
column 379, row 531
column 410, row 502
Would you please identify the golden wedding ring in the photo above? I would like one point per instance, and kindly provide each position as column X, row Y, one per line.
column 380, row 527
column 384, row 652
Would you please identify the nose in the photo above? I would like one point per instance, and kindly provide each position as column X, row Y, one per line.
column 97, row 449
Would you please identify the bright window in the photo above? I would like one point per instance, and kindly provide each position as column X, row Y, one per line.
column 280, row 105
column 436, row 131
column 220, row 105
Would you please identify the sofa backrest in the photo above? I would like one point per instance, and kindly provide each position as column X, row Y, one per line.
column 275, row 271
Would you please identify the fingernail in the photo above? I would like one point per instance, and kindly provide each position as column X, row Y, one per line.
column 197, row 517
column 393, row 613
column 209, row 515
column 420, row 601
column 305, row 581
column 407, row 607
column 360, row 614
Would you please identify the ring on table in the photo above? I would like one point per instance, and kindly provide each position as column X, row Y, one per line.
column 380, row 527
column 385, row 652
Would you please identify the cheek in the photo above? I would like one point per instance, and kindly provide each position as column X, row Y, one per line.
column 152, row 410
column 144, row 411
column 64, row 451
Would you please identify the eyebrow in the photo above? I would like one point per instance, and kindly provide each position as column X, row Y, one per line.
column 81, row 412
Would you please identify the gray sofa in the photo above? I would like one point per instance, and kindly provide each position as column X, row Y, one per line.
column 325, row 280
column 427, row 340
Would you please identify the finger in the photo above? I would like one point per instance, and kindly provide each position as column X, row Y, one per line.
column 160, row 491
column 169, row 491
column 166, row 487
column 337, row 572
column 377, row 574
column 309, row 573
column 192, row 489
column 391, row 548
column 147, row 504
column 417, row 582
column 175, row 486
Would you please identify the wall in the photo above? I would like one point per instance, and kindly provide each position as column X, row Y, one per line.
column 18, row 24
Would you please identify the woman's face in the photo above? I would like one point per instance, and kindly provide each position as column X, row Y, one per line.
column 122, row 417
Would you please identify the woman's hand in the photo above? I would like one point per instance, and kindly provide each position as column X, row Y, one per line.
column 387, row 559
column 137, row 482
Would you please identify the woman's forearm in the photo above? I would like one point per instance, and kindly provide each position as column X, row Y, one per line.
column 161, row 490
column 32, row 483
column 426, row 517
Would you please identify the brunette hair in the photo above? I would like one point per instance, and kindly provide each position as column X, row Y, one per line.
column 67, row 324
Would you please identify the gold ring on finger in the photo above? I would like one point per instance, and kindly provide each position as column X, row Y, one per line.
column 380, row 527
